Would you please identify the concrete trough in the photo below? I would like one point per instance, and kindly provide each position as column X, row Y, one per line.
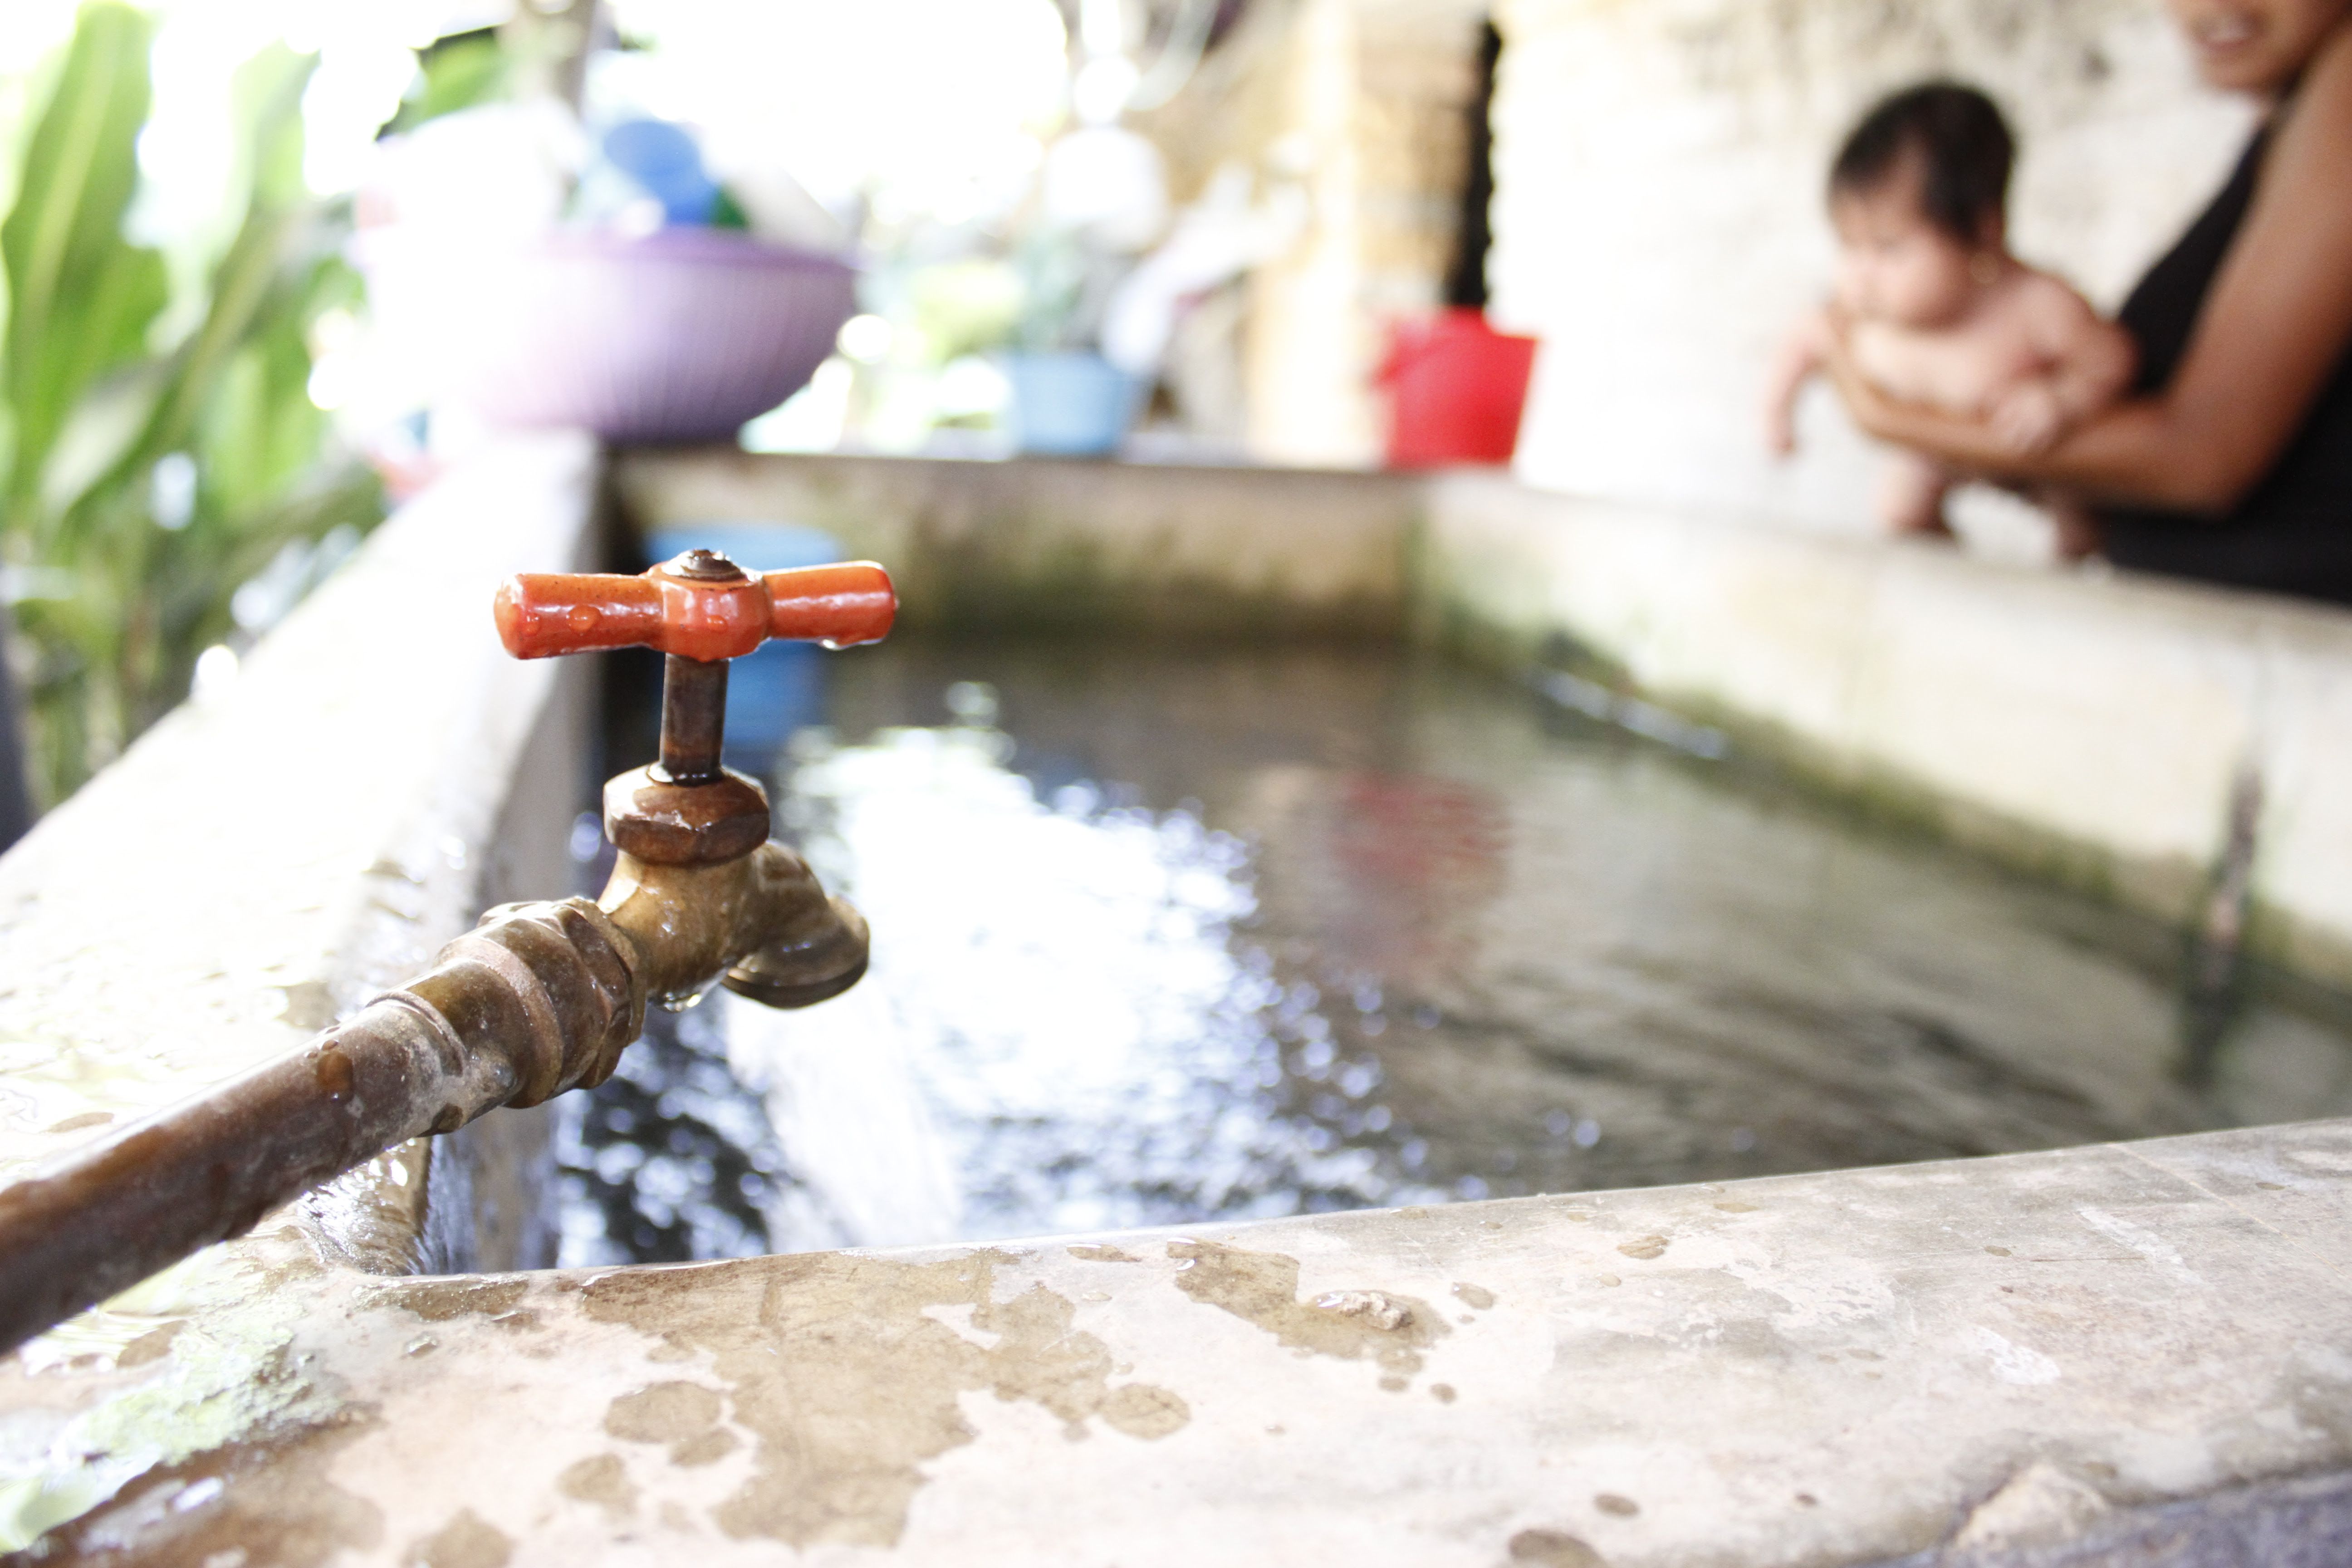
column 2115, row 1353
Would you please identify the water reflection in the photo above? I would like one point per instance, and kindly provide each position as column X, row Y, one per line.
column 1068, row 981
column 672, row 1158
column 1166, row 936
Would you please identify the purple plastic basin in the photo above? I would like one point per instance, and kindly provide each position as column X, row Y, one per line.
column 677, row 336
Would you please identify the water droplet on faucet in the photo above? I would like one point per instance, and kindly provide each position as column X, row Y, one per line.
column 682, row 1001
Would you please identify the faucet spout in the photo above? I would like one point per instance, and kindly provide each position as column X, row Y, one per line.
column 761, row 925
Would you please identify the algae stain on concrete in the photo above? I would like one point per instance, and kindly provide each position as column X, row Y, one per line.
column 1262, row 1288
column 218, row 1434
column 847, row 1385
column 266, row 1502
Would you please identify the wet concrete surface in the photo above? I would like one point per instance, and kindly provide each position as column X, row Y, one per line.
column 1989, row 1363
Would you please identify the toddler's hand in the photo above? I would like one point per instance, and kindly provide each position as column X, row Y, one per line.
column 1779, row 433
column 2028, row 418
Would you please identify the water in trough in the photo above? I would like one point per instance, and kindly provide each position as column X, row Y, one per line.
column 1165, row 934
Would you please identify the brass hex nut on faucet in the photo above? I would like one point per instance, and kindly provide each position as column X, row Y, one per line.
column 668, row 824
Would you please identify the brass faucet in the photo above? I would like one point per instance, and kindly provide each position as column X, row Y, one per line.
column 537, row 999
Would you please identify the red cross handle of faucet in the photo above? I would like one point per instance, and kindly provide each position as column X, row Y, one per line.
column 700, row 607
column 702, row 610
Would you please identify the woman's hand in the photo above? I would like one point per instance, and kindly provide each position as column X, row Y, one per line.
column 1968, row 446
column 2029, row 417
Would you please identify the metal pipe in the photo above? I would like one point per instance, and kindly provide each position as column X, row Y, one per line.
column 538, row 999
column 75, row 1231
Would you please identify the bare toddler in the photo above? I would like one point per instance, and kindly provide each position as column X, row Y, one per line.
column 1935, row 310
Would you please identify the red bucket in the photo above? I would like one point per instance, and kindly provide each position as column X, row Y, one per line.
column 1456, row 388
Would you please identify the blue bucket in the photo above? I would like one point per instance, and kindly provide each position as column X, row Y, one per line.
column 1070, row 404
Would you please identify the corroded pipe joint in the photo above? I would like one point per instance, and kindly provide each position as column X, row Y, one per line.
column 544, row 991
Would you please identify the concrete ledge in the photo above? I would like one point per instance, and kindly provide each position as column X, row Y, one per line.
column 2094, row 728
column 2044, row 1358
column 260, row 863
column 1046, row 543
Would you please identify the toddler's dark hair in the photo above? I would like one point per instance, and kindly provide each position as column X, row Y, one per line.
column 1964, row 147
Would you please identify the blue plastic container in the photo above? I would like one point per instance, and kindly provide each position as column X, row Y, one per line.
column 1070, row 404
column 779, row 686
column 664, row 159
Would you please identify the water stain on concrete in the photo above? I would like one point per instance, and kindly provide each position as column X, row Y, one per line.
column 1553, row 1549
column 309, row 1005
column 1262, row 1288
column 1644, row 1248
column 706, row 1449
column 438, row 1300
column 1476, row 1297
column 603, row 1479
column 1100, row 1252
column 467, row 1541
column 847, row 1385
column 683, row 1415
column 664, row 1413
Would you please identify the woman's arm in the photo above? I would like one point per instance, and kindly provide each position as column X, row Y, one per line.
column 2277, row 322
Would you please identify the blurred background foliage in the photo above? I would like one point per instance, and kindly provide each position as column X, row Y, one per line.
column 158, row 447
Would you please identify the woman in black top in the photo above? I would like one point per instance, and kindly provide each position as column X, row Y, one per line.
column 2233, row 462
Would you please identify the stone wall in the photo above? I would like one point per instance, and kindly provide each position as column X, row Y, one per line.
column 1353, row 110
column 1170, row 551
column 1658, row 211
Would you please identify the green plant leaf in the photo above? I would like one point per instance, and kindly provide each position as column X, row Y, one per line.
column 126, row 602
column 454, row 73
column 81, row 296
